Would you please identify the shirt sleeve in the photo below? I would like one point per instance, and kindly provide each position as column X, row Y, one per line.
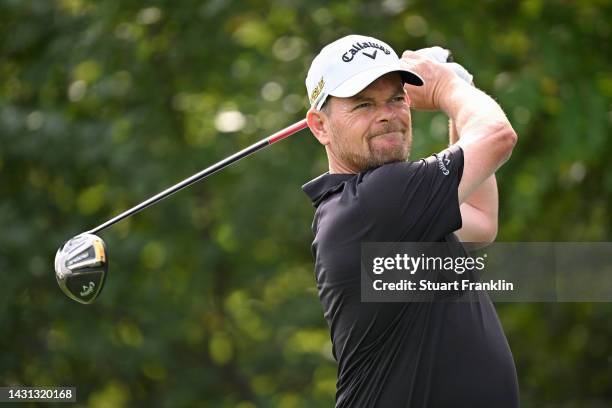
column 414, row 201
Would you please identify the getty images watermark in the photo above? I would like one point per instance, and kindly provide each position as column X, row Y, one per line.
column 507, row 272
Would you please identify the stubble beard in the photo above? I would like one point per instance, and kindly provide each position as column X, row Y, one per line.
column 374, row 157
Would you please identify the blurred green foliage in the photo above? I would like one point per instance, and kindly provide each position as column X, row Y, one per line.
column 211, row 299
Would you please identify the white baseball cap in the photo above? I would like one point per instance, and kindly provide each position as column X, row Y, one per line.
column 346, row 66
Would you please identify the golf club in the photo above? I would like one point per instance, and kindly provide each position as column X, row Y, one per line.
column 81, row 264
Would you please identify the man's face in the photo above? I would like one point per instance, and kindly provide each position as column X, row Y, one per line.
column 372, row 127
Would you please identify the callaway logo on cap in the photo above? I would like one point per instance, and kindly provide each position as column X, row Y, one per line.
column 346, row 66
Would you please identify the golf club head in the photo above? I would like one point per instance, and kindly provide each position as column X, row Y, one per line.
column 81, row 265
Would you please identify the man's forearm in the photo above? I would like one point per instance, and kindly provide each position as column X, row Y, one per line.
column 473, row 112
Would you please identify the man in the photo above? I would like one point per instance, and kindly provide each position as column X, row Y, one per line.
column 427, row 354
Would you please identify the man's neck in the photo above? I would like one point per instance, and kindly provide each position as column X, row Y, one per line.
column 337, row 166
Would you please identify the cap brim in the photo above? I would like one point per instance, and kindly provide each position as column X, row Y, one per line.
column 357, row 83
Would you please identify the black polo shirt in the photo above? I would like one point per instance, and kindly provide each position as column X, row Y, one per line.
column 427, row 354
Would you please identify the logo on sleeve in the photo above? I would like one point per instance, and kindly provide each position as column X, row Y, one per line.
column 442, row 163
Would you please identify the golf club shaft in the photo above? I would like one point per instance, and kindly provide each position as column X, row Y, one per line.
column 286, row 132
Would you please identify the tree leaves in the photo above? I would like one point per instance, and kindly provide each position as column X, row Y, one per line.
column 211, row 297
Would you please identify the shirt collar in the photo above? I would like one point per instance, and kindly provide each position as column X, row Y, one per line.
column 318, row 188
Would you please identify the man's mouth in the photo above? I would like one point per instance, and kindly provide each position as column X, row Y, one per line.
column 389, row 133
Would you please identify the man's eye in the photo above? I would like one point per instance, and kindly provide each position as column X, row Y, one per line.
column 363, row 105
column 398, row 99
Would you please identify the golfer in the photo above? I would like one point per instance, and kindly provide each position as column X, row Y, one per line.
column 427, row 354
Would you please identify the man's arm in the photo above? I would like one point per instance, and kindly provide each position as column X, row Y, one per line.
column 480, row 209
column 479, row 212
column 485, row 135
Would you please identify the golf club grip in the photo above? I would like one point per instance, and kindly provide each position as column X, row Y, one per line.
column 282, row 134
column 452, row 130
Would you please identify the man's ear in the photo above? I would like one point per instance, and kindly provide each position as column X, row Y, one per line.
column 318, row 124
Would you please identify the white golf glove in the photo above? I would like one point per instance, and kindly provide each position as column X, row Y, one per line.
column 442, row 55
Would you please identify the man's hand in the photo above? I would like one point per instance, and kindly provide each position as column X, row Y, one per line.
column 444, row 55
column 439, row 79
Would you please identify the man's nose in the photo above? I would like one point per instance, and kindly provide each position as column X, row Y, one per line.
column 385, row 112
